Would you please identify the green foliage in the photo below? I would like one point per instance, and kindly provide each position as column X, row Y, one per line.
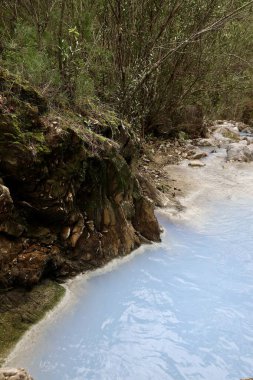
column 22, row 56
column 147, row 59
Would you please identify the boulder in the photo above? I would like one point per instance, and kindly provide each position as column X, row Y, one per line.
column 198, row 154
column 206, row 142
column 239, row 152
column 228, row 131
column 14, row 374
column 248, row 139
column 243, row 127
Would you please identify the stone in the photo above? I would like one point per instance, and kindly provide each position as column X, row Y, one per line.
column 229, row 131
column 242, row 126
column 198, row 155
column 239, row 152
column 206, row 142
column 197, row 164
column 14, row 374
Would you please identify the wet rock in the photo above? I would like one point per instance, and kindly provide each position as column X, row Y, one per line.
column 14, row 374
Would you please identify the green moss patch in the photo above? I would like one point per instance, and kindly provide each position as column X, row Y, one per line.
column 230, row 135
column 20, row 309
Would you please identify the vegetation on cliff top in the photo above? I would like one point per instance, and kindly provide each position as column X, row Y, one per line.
column 148, row 60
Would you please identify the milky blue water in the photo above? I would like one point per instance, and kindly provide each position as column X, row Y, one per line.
column 181, row 310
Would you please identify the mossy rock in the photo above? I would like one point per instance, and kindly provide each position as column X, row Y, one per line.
column 20, row 309
column 11, row 85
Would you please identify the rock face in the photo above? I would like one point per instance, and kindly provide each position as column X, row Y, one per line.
column 69, row 200
column 14, row 374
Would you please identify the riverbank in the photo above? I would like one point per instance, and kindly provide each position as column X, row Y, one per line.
column 181, row 174
column 181, row 189
column 180, row 309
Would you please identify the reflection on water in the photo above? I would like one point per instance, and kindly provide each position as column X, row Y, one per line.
column 182, row 310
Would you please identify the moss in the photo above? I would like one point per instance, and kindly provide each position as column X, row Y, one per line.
column 231, row 135
column 37, row 139
column 122, row 174
column 20, row 309
column 12, row 84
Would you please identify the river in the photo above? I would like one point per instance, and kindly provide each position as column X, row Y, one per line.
column 178, row 310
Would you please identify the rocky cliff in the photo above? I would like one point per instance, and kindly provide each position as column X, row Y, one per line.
column 69, row 199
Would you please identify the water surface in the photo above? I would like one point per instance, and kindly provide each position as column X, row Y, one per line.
column 180, row 310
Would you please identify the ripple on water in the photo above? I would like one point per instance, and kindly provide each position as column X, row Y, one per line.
column 181, row 311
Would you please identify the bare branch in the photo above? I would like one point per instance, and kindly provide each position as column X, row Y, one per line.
column 212, row 27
